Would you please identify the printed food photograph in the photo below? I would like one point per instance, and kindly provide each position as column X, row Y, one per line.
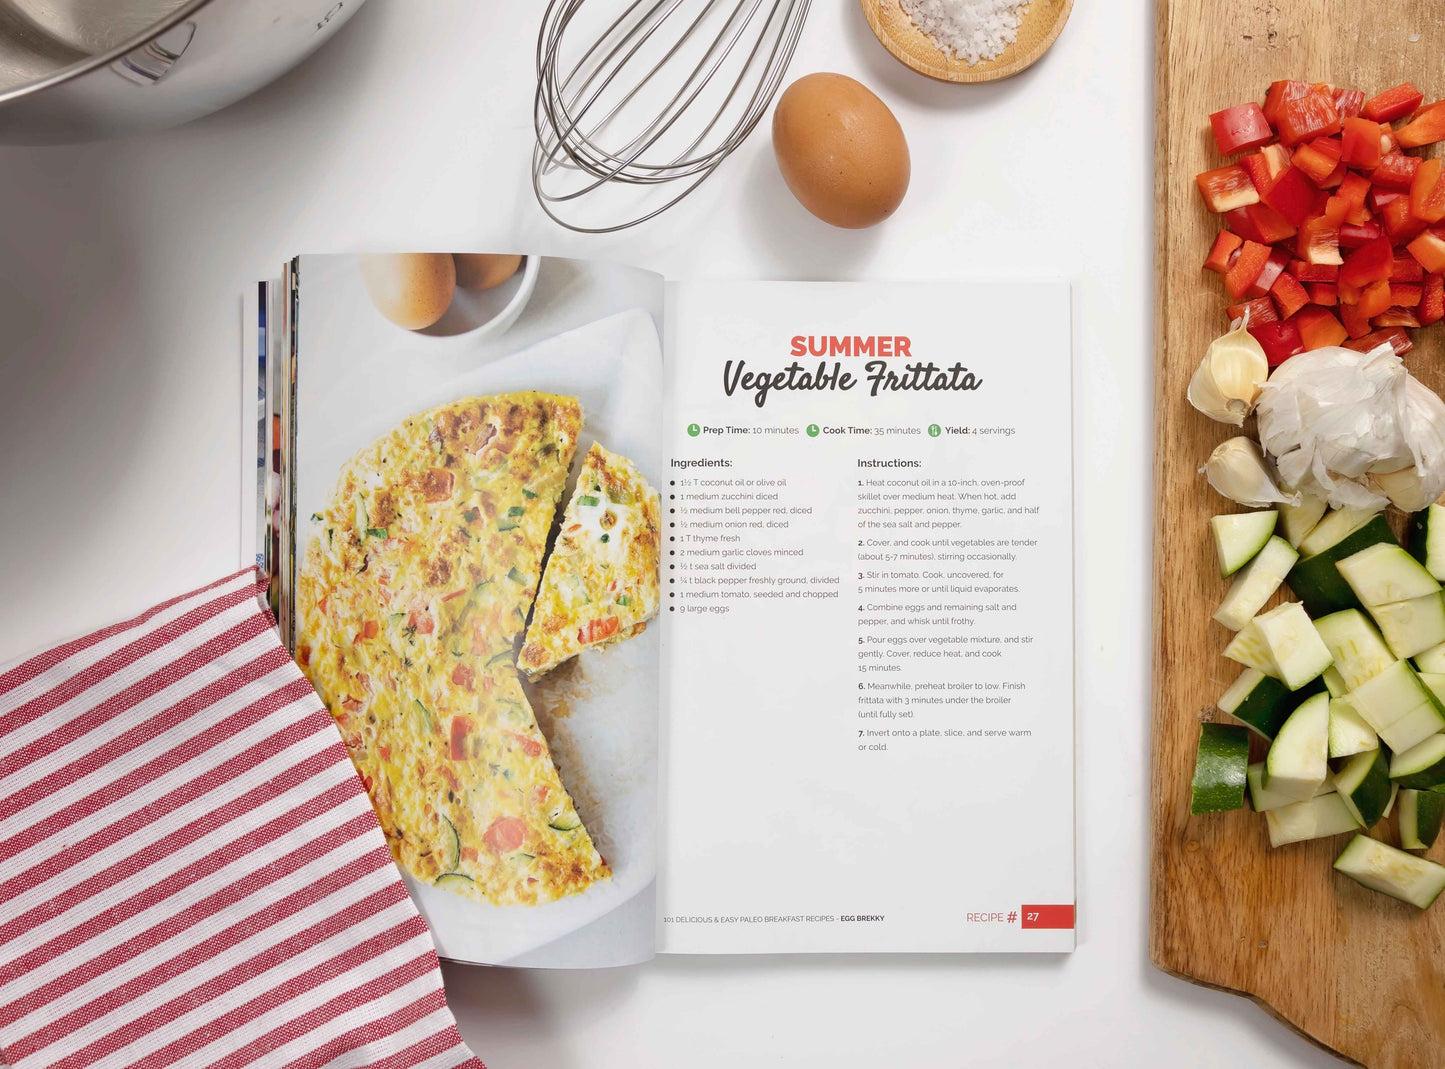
column 1299, row 750
column 468, row 584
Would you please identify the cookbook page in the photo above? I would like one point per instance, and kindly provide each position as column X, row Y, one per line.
column 868, row 641
column 475, row 446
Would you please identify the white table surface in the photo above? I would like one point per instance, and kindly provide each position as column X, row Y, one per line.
column 121, row 270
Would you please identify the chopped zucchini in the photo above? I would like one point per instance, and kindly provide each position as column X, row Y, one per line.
column 1359, row 651
column 1400, row 706
column 1431, row 660
column 453, row 881
column 451, row 845
column 1349, row 734
column 1262, row 702
column 1256, row 583
column 1295, row 647
column 1414, row 626
column 1383, row 574
column 1248, row 648
column 1334, row 682
column 1383, row 868
column 1239, row 536
column 1421, row 814
column 1422, row 766
column 1296, row 521
column 1318, row 583
column 1426, row 538
column 1263, row 799
column 1364, row 785
column 1220, row 768
column 1334, row 529
column 1312, row 818
column 1298, row 758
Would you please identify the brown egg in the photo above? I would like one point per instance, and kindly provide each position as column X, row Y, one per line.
column 411, row 289
column 484, row 271
column 840, row 150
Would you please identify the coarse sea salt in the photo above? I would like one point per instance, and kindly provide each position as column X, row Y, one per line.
column 970, row 30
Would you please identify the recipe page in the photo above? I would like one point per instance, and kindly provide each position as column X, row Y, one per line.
column 868, row 634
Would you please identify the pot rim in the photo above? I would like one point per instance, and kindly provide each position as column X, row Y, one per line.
column 85, row 66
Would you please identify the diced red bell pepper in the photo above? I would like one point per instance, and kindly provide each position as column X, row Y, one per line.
column 1273, row 268
column 1393, row 103
column 1276, row 159
column 1307, row 117
column 1279, row 92
column 1374, row 300
column 1400, row 222
column 1371, row 262
column 1427, row 127
column 1380, row 197
column 1240, row 128
column 1224, row 246
column 1280, row 340
column 1405, row 294
column 1396, row 317
column 1352, row 237
column 1335, row 177
column 1354, row 188
column 1396, row 171
column 1318, row 328
column 1432, row 300
column 1318, row 159
column 1427, row 193
column 1319, row 242
column 1261, row 310
column 1406, row 268
column 1360, row 143
column 1308, row 272
column 1258, row 170
column 1292, row 195
column 1227, row 188
column 1288, row 294
column 1389, row 143
column 1429, row 250
column 1348, row 294
column 1395, row 337
column 1348, row 102
column 1246, row 268
column 1324, row 293
column 1261, row 223
column 1355, row 324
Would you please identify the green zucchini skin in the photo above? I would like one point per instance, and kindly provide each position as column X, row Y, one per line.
column 1220, row 769
column 1318, row 583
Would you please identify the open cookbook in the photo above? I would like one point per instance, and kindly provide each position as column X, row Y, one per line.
column 699, row 618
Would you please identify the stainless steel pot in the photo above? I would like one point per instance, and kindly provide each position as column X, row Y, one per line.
column 78, row 70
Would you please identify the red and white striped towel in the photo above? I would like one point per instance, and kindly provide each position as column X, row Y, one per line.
column 190, row 872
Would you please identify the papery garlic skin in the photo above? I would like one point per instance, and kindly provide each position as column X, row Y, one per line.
column 1332, row 418
column 1229, row 378
column 1237, row 470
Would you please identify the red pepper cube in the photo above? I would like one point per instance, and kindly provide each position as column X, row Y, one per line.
column 1279, row 93
column 1380, row 197
column 1246, row 268
column 1405, row 294
column 1307, row 272
column 1292, row 195
column 1396, row 171
column 1400, row 222
column 1355, row 324
column 1319, row 328
column 1224, row 247
column 1396, row 317
column 1432, row 300
column 1260, row 310
column 1258, row 170
column 1324, row 293
column 1261, row 223
column 1393, row 103
column 1360, row 143
column 1276, row 160
column 1348, row 102
column 1227, row 188
column 1319, row 159
column 1352, row 236
column 1429, row 250
column 1406, row 268
column 1426, row 128
column 1273, row 268
column 1427, row 193
column 1394, row 337
column 1371, row 262
column 1307, row 117
column 1319, row 242
column 1280, row 340
column 1288, row 294
column 1389, row 143
column 1240, row 128
column 1374, row 300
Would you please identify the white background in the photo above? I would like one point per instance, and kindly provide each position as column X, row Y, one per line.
column 121, row 273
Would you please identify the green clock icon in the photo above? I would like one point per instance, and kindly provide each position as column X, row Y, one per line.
column 693, row 429
column 812, row 430
column 934, row 430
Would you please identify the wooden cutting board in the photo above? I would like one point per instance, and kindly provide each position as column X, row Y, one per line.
column 1354, row 971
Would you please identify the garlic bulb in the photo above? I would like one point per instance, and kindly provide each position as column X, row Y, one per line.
column 1237, row 470
column 1229, row 377
column 1332, row 418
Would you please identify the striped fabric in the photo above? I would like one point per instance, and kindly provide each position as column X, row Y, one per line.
column 190, row 872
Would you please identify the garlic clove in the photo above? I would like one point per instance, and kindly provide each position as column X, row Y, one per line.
column 1237, row 470
column 1228, row 380
column 1406, row 489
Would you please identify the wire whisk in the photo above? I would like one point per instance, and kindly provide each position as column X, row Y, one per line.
column 659, row 93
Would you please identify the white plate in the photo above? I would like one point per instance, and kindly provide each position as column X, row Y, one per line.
column 600, row 713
